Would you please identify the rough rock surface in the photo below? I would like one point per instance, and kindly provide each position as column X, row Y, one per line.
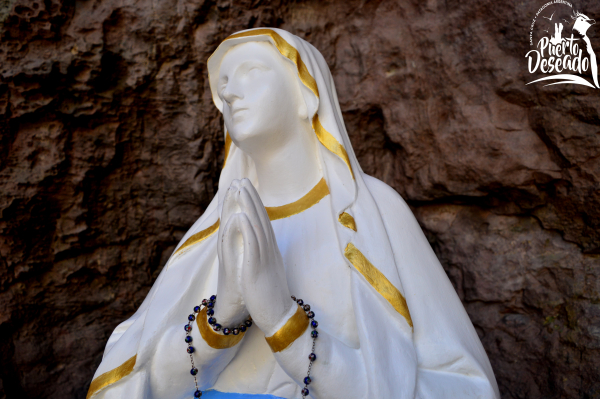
column 111, row 148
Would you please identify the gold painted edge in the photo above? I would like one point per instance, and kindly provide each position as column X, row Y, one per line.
column 110, row 377
column 291, row 331
column 213, row 339
column 378, row 281
column 227, row 147
column 330, row 142
column 200, row 236
column 347, row 220
column 316, row 194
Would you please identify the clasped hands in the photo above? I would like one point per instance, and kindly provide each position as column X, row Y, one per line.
column 252, row 278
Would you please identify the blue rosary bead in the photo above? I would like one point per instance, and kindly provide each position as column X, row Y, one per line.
column 242, row 327
column 307, row 380
column 248, row 323
column 217, row 327
column 314, row 324
column 191, row 317
column 314, row 333
column 204, row 302
column 197, row 394
column 300, row 302
column 188, row 339
column 187, row 328
column 310, row 314
column 212, row 320
column 210, row 312
column 213, row 297
column 190, row 349
column 196, row 309
column 304, row 392
column 312, row 357
column 194, row 371
column 210, row 305
column 306, row 307
column 235, row 331
column 226, row 331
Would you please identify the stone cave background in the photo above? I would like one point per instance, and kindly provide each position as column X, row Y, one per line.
column 110, row 148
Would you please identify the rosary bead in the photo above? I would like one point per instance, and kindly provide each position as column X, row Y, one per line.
column 306, row 307
column 213, row 298
column 204, row 302
column 242, row 327
column 191, row 317
column 310, row 314
column 304, row 392
column 312, row 357
column 187, row 328
column 190, row 349
column 293, row 298
column 226, row 331
column 212, row 320
column 248, row 323
column 194, row 371
column 196, row 309
column 300, row 302
column 217, row 327
column 188, row 339
column 314, row 333
column 197, row 394
column 210, row 312
column 314, row 324
column 210, row 305
column 307, row 380
column 235, row 331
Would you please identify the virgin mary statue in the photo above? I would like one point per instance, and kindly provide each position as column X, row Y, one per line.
column 295, row 215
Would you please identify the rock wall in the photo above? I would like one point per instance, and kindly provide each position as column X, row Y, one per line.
column 111, row 148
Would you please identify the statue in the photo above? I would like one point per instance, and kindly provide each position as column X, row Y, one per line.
column 295, row 215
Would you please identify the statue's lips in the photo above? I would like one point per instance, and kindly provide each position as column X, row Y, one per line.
column 236, row 111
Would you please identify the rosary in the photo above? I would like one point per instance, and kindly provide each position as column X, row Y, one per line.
column 210, row 304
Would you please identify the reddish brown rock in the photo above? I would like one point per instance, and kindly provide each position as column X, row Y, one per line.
column 110, row 148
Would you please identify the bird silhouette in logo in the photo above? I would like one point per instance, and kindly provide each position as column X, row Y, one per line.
column 549, row 19
column 581, row 25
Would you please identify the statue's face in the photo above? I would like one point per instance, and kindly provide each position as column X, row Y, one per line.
column 261, row 96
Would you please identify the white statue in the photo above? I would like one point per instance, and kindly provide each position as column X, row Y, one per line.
column 390, row 323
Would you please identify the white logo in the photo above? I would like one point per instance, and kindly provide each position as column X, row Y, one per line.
column 563, row 49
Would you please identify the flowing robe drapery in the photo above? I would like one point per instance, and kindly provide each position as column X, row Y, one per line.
column 393, row 326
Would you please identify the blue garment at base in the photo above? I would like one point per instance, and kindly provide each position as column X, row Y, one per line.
column 229, row 395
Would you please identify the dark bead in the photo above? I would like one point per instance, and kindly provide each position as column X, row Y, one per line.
column 191, row 317
column 312, row 357
column 304, row 392
column 307, row 380
column 235, row 331
column 210, row 312
column 196, row 309
column 314, row 333
column 194, row 371
column 314, row 324
column 210, row 305
column 187, row 327
column 217, row 327
column 242, row 327
column 188, row 339
column 226, row 331
column 306, row 307
column 212, row 320
column 204, row 302
column 248, row 323
column 197, row 394
column 191, row 349
column 310, row 315
column 213, row 298
column 293, row 298
column 300, row 302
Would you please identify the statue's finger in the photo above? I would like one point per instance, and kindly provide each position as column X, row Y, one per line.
column 262, row 212
column 232, row 243
column 230, row 205
column 260, row 229
column 251, row 256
